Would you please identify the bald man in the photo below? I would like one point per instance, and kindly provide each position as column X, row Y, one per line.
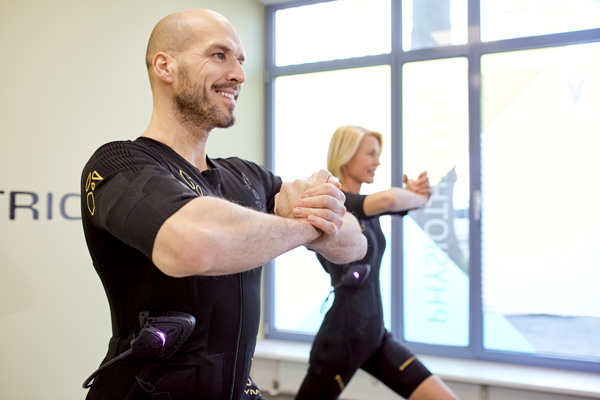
column 172, row 232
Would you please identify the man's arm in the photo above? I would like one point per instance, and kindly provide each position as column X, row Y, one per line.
column 212, row 236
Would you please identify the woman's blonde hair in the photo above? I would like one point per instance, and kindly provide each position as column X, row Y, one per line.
column 343, row 146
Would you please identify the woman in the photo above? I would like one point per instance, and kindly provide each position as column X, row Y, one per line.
column 352, row 334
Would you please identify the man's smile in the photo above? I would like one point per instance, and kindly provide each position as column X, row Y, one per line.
column 228, row 95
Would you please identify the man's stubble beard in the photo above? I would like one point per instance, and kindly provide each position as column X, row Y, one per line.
column 196, row 108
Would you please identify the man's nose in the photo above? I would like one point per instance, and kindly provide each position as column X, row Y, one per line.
column 236, row 73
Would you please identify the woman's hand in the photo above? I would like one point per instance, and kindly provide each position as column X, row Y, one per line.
column 419, row 186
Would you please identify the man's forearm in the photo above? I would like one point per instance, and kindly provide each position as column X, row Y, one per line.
column 211, row 236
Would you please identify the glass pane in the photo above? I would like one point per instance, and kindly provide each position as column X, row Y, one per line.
column 305, row 118
column 332, row 30
column 436, row 238
column 521, row 18
column 433, row 23
column 541, row 221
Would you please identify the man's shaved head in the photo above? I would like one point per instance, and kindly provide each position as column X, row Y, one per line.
column 173, row 33
column 194, row 61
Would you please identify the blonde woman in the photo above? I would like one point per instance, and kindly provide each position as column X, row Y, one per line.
column 352, row 334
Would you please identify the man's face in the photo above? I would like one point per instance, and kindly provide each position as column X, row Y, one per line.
column 196, row 104
column 210, row 77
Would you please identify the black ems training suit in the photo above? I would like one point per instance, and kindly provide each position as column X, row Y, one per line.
column 129, row 188
column 352, row 334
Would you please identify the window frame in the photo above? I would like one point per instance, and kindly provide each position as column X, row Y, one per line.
column 473, row 51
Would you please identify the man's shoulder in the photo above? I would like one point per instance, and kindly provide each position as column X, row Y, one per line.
column 122, row 155
column 226, row 161
column 111, row 144
column 123, row 149
column 238, row 170
column 240, row 164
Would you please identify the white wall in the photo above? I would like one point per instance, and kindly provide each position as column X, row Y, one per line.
column 72, row 77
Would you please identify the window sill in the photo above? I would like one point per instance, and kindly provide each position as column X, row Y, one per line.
column 545, row 380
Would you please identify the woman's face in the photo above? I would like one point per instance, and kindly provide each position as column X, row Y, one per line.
column 361, row 167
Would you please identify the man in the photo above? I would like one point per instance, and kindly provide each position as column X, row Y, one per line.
column 171, row 230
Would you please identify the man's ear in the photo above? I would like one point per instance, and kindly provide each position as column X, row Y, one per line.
column 164, row 66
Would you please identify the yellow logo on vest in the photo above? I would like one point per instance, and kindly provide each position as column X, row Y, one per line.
column 90, row 186
column 188, row 179
column 253, row 389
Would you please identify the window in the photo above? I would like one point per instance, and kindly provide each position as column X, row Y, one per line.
column 332, row 30
column 436, row 238
column 498, row 102
column 433, row 23
column 522, row 18
column 537, row 108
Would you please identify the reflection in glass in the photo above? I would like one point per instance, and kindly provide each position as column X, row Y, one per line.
column 436, row 238
column 509, row 19
column 433, row 23
column 308, row 109
column 332, row 30
column 540, row 232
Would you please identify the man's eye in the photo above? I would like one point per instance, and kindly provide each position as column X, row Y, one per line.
column 220, row 56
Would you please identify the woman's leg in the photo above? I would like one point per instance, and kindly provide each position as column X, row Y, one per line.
column 398, row 368
column 433, row 388
column 324, row 383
